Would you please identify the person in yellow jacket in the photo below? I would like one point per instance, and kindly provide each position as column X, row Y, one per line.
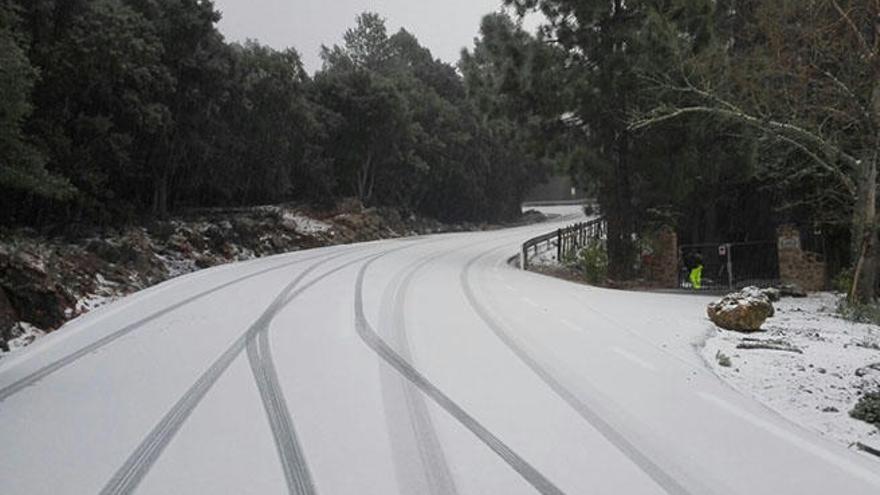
column 696, row 275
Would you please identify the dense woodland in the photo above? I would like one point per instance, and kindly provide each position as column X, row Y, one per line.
column 118, row 109
column 723, row 118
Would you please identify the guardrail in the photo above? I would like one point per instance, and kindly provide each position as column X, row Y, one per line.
column 559, row 202
column 566, row 241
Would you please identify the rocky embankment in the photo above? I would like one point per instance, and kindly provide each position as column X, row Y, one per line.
column 47, row 281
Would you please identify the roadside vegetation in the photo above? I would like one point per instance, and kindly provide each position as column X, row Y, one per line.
column 592, row 262
column 868, row 409
column 120, row 111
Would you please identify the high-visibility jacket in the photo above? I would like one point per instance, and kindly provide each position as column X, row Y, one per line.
column 697, row 277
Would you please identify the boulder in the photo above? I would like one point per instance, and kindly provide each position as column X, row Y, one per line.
column 773, row 294
column 34, row 294
column 743, row 311
column 8, row 319
column 792, row 290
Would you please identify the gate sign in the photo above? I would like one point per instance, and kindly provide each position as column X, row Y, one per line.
column 790, row 242
column 722, row 250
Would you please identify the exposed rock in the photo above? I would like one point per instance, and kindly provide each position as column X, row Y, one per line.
column 36, row 296
column 792, row 290
column 743, row 311
column 772, row 293
column 8, row 319
column 871, row 369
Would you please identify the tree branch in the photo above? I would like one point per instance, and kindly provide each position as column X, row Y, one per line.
column 869, row 52
column 781, row 130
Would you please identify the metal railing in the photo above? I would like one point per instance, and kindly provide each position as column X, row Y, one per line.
column 566, row 241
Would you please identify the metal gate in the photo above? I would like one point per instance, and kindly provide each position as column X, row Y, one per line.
column 731, row 265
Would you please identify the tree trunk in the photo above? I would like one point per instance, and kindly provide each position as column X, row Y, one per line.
column 621, row 224
column 160, row 195
column 364, row 177
column 865, row 237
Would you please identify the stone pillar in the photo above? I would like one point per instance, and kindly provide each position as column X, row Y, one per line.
column 797, row 266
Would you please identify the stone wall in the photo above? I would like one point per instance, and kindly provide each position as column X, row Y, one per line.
column 797, row 266
column 660, row 265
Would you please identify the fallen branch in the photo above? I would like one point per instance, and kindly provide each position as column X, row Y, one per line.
column 770, row 345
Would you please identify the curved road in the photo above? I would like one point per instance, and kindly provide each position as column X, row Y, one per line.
column 413, row 366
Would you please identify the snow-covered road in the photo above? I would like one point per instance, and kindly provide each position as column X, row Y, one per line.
column 414, row 366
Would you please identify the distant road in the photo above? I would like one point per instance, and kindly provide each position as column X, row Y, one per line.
column 414, row 366
column 560, row 202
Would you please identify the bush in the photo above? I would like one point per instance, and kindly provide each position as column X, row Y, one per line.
column 868, row 409
column 723, row 359
column 592, row 260
column 589, row 210
column 862, row 313
column 843, row 281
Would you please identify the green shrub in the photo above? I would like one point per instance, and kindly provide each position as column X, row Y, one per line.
column 843, row 281
column 862, row 313
column 592, row 260
column 868, row 409
column 723, row 359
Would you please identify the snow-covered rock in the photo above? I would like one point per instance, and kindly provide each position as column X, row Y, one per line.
column 772, row 293
column 306, row 225
column 743, row 311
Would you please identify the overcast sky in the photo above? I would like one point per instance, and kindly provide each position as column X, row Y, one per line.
column 443, row 26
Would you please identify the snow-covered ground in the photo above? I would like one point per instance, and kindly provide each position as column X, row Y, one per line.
column 416, row 366
column 819, row 380
column 25, row 334
column 305, row 224
column 48, row 281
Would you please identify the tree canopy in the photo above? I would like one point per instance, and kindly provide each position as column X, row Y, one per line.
column 115, row 110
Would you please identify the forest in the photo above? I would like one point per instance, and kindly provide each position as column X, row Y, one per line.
column 722, row 118
column 117, row 110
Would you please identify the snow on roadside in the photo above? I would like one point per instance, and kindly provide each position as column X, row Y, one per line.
column 816, row 387
column 24, row 333
column 306, row 225
column 106, row 292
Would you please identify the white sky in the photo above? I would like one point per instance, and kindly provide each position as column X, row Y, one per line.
column 443, row 26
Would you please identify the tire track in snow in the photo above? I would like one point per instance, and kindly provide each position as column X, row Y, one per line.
column 379, row 346
column 262, row 365
column 647, row 465
column 296, row 473
column 415, row 431
column 46, row 370
column 139, row 463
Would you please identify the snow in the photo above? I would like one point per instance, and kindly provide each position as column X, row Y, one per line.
column 107, row 291
column 307, row 225
column 816, row 387
column 25, row 333
column 177, row 265
column 592, row 390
